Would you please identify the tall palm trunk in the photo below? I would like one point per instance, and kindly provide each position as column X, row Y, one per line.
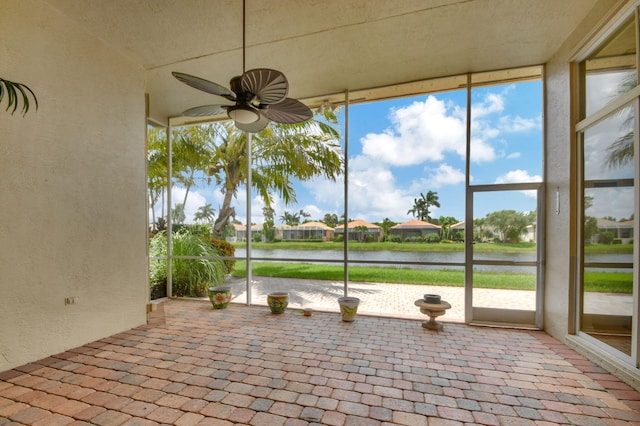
column 226, row 212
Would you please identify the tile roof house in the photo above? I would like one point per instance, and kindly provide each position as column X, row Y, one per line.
column 415, row 228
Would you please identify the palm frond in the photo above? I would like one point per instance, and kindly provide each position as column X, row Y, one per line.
column 620, row 152
column 13, row 92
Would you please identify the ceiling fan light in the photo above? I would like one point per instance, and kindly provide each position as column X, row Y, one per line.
column 243, row 114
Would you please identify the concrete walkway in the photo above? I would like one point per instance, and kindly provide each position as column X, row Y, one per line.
column 397, row 300
column 376, row 298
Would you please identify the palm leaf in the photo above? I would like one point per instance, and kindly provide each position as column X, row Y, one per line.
column 13, row 92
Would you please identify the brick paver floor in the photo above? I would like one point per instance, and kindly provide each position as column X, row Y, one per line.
column 196, row 366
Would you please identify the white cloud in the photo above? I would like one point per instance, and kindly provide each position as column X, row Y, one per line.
column 421, row 150
column 315, row 211
column 195, row 200
column 518, row 124
column 602, row 88
column 614, row 202
column 481, row 151
column 422, row 131
column 492, row 103
column 326, row 192
column 518, row 176
column 444, row 175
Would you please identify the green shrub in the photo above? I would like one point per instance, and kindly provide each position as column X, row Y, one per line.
column 191, row 228
column 432, row 238
column 190, row 277
column 414, row 239
column 606, row 237
column 225, row 249
column 394, row 238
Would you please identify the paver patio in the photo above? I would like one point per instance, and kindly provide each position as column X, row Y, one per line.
column 196, row 366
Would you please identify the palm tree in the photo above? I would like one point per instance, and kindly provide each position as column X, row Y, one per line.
column 268, row 227
column 386, row 226
column 431, row 199
column 291, row 219
column 418, row 208
column 157, row 167
column 280, row 153
column 205, row 213
column 304, row 216
column 177, row 213
column 446, row 222
column 361, row 229
column 620, row 152
column 14, row 91
column 421, row 205
column 330, row 219
column 190, row 155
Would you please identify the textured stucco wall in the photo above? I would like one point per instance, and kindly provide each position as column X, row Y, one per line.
column 72, row 188
column 559, row 263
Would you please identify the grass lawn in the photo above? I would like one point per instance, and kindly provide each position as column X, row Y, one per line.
column 606, row 282
column 594, row 282
column 429, row 247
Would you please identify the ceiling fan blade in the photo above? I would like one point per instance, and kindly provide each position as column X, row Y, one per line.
column 205, row 85
column 269, row 86
column 204, row 110
column 254, row 127
column 289, row 111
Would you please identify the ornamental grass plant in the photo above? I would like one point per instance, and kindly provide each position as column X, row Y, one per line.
column 195, row 267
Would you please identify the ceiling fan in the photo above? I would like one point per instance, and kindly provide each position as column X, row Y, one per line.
column 259, row 96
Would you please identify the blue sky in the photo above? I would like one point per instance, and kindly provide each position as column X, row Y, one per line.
column 403, row 147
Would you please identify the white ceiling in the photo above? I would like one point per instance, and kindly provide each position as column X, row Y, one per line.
column 323, row 46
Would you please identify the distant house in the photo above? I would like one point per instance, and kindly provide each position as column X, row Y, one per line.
column 622, row 231
column 529, row 233
column 457, row 226
column 456, row 231
column 373, row 232
column 308, row 231
column 305, row 231
column 415, row 228
column 487, row 233
column 241, row 233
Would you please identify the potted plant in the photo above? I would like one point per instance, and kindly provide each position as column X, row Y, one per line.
column 278, row 301
column 348, row 308
column 220, row 296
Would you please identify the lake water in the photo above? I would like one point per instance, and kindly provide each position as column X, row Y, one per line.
column 441, row 260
